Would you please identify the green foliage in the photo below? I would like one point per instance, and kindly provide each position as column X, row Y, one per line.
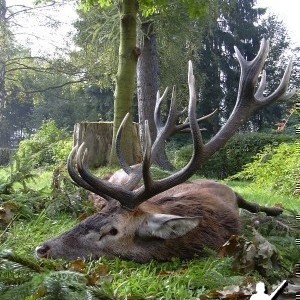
column 24, row 191
column 265, row 197
column 234, row 155
column 196, row 8
column 24, row 277
column 274, row 168
column 49, row 145
column 18, row 174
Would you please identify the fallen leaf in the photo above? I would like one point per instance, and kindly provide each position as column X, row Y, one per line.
column 77, row 265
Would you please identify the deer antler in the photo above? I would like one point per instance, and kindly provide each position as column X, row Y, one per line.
column 248, row 101
column 131, row 199
column 164, row 131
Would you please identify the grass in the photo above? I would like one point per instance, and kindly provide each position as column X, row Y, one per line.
column 119, row 279
column 265, row 197
column 25, row 235
column 22, row 276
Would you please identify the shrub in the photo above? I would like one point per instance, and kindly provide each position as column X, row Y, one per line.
column 275, row 169
column 49, row 145
column 234, row 155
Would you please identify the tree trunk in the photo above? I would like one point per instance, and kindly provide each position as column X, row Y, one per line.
column 4, row 133
column 147, row 79
column 147, row 87
column 5, row 156
column 3, row 37
column 125, row 81
column 98, row 138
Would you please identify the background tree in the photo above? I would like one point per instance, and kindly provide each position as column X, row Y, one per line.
column 179, row 29
column 38, row 88
column 230, row 23
column 128, row 55
column 238, row 24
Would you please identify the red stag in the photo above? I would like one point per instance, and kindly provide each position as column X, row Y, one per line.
column 169, row 217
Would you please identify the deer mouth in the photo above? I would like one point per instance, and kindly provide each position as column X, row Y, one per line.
column 42, row 251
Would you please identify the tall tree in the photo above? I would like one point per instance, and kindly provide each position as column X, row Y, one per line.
column 128, row 55
column 176, row 28
column 18, row 76
column 6, row 42
column 240, row 25
column 147, row 77
column 125, row 81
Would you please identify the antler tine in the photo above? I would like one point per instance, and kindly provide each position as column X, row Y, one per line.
column 173, row 112
column 166, row 130
column 251, row 69
column 73, row 174
column 248, row 101
column 186, row 123
column 122, row 161
column 135, row 174
column 262, row 86
column 280, row 92
column 157, row 116
column 100, row 186
column 148, row 181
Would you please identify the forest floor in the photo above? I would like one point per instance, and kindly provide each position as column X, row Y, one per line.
column 230, row 273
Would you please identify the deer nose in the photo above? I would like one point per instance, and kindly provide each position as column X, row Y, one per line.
column 42, row 251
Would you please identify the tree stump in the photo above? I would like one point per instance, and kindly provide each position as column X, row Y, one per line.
column 98, row 138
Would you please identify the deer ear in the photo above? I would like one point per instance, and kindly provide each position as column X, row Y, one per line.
column 167, row 226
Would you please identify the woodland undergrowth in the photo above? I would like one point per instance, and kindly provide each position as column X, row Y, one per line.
column 38, row 203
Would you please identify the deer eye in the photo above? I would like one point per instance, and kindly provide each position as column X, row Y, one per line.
column 113, row 231
column 108, row 231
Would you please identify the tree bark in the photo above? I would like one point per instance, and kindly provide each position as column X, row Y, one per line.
column 125, row 81
column 98, row 138
column 3, row 37
column 147, row 87
column 5, row 156
column 147, row 78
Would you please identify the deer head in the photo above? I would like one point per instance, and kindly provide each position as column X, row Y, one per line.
column 166, row 217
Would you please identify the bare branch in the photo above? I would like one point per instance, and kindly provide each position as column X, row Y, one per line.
column 56, row 86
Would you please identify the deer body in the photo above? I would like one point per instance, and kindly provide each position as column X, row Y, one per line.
column 199, row 214
column 170, row 217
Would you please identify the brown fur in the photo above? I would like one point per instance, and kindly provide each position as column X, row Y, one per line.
column 213, row 202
